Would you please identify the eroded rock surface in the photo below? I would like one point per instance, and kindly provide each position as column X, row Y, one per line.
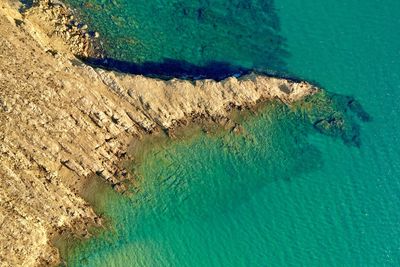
column 61, row 122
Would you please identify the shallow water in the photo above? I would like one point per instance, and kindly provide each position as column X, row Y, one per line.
column 281, row 194
column 188, row 38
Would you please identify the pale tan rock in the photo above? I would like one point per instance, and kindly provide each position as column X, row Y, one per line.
column 60, row 123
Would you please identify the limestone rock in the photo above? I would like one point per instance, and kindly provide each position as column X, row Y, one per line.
column 61, row 121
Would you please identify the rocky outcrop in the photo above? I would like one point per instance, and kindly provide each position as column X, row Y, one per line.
column 61, row 121
column 57, row 20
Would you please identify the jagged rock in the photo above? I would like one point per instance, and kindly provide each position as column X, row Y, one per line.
column 68, row 121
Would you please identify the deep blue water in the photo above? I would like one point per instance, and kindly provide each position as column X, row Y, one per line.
column 282, row 194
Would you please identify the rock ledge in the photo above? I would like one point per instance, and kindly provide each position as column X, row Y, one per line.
column 62, row 122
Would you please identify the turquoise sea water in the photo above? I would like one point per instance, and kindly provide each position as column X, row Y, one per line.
column 187, row 36
column 281, row 194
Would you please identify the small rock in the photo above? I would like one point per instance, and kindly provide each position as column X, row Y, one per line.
column 115, row 118
column 237, row 129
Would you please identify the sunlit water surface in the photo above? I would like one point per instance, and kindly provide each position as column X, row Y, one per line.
column 280, row 194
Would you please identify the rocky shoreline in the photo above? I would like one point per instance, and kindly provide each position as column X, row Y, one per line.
column 57, row 19
column 62, row 121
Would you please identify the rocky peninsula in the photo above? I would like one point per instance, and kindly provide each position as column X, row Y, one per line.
column 62, row 121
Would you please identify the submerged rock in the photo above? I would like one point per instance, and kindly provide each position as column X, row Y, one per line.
column 63, row 121
column 334, row 115
column 68, row 121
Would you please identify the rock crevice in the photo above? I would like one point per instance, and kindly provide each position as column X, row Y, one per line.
column 61, row 122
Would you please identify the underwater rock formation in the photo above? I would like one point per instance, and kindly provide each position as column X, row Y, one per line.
column 62, row 121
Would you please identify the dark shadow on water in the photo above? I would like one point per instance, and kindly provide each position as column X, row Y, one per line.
column 332, row 114
column 231, row 38
column 170, row 68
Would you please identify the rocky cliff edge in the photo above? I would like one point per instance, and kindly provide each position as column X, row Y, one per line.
column 62, row 121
